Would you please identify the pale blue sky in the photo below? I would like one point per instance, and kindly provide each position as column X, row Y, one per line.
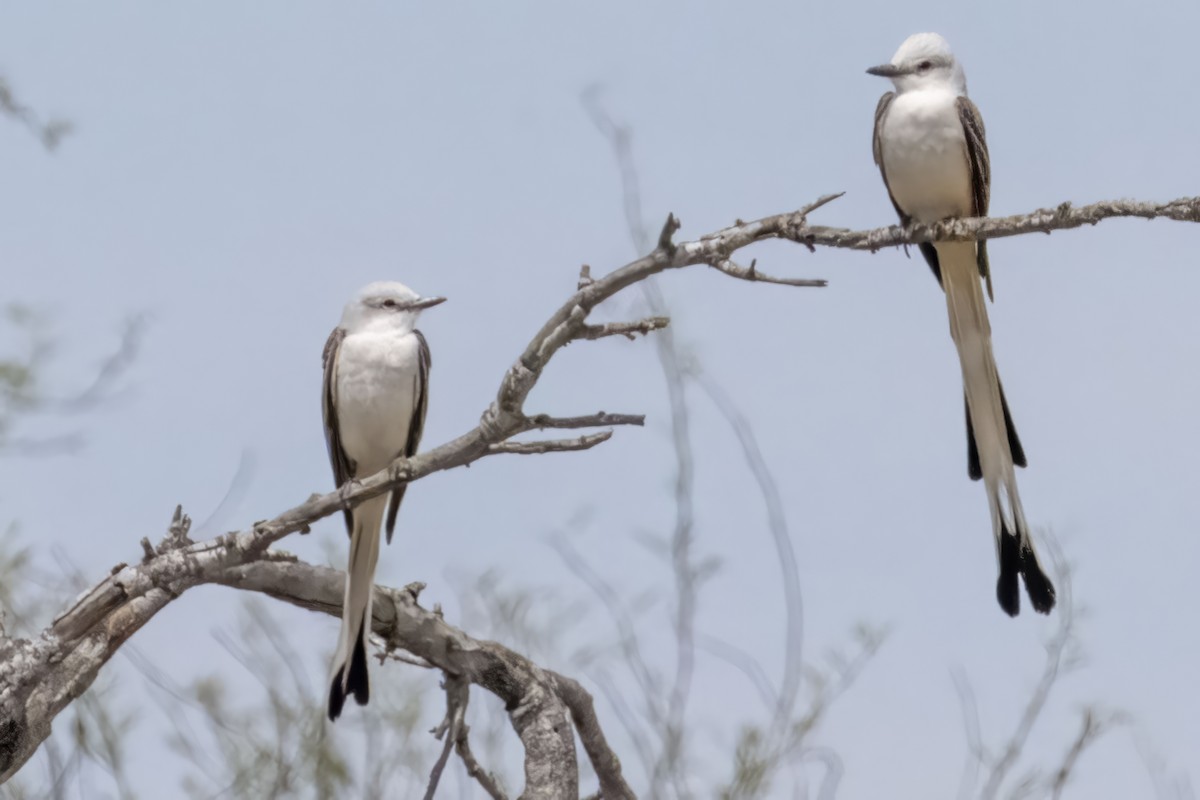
column 241, row 169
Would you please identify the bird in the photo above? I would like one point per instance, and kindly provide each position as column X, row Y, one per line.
column 373, row 401
column 930, row 147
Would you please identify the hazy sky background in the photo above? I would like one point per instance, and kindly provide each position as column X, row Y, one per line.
column 240, row 170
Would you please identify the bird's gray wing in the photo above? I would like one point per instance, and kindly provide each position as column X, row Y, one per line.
column 343, row 467
column 981, row 176
column 416, row 425
column 926, row 248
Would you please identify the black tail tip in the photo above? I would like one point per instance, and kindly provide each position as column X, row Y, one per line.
column 1037, row 584
column 357, row 682
column 1017, row 558
column 337, row 697
column 1007, row 591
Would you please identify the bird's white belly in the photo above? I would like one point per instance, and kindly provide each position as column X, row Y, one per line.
column 925, row 156
column 376, row 392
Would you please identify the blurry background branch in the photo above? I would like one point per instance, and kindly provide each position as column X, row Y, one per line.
column 23, row 389
column 763, row 750
column 1062, row 656
column 49, row 133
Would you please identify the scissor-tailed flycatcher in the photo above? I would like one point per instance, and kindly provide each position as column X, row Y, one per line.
column 929, row 144
column 373, row 402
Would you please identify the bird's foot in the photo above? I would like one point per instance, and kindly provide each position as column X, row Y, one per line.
column 398, row 472
column 346, row 489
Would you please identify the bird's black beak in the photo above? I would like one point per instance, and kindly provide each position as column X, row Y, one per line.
column 427, row 302
column 885, row 71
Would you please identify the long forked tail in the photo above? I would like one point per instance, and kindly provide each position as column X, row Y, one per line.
column 993, row 446
column 350, row 661
column 974, row 470
column 1017, row 556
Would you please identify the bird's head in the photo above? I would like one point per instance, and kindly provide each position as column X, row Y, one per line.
column 386, row 305
column 923, row 61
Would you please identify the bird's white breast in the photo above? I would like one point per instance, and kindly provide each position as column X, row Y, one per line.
column 925, row 155
column 377, row 382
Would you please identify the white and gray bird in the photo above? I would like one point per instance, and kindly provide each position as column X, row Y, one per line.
column 373, row 402
column 929, row 145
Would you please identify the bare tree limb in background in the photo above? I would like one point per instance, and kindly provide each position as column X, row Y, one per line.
column 1166, row 786
column 1061, row 656
column 23, row 395
column 667, row 721
column 49, row 133
column 453, row 730
column 1093, row 725
column 752, row 771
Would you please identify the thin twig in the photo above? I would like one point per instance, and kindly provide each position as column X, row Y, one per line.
column 743, row 662
column 485, row 779
column 599, row 419
column 627, row 329
column 629, row 643
column 586, row 442
column 457, row 695
column 751, row 273
column 1056, row 654
column 403, row 658
column 785, row 552
column 975, row 752
column 48, row 133
column 1090, row 728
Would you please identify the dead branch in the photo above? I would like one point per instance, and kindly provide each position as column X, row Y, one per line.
column 604, row 760
column 1092, row 726
column 586, row 442
column 458, row 692
column 751, row 273
column 600, row 419
column 627, row 329
column 49, row 133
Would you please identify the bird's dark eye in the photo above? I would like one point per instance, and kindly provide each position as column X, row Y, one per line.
column 389, row 304
column 924, row 65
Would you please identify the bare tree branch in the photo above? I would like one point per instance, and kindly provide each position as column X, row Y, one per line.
column 751, row 273
column 114, row 366
column 630, row 646
column 600, row 419
column 452, row 729
column 586, row 442
column 604, row 760
column 474, row 770
column 1057, row 659
column 1092, row 727
column 976, row 754
column 627, row 329
column 538, row 712
column 49, row 133
column 440, row 732
column 1065, row 216
column 782, row 539
column 745, row 663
